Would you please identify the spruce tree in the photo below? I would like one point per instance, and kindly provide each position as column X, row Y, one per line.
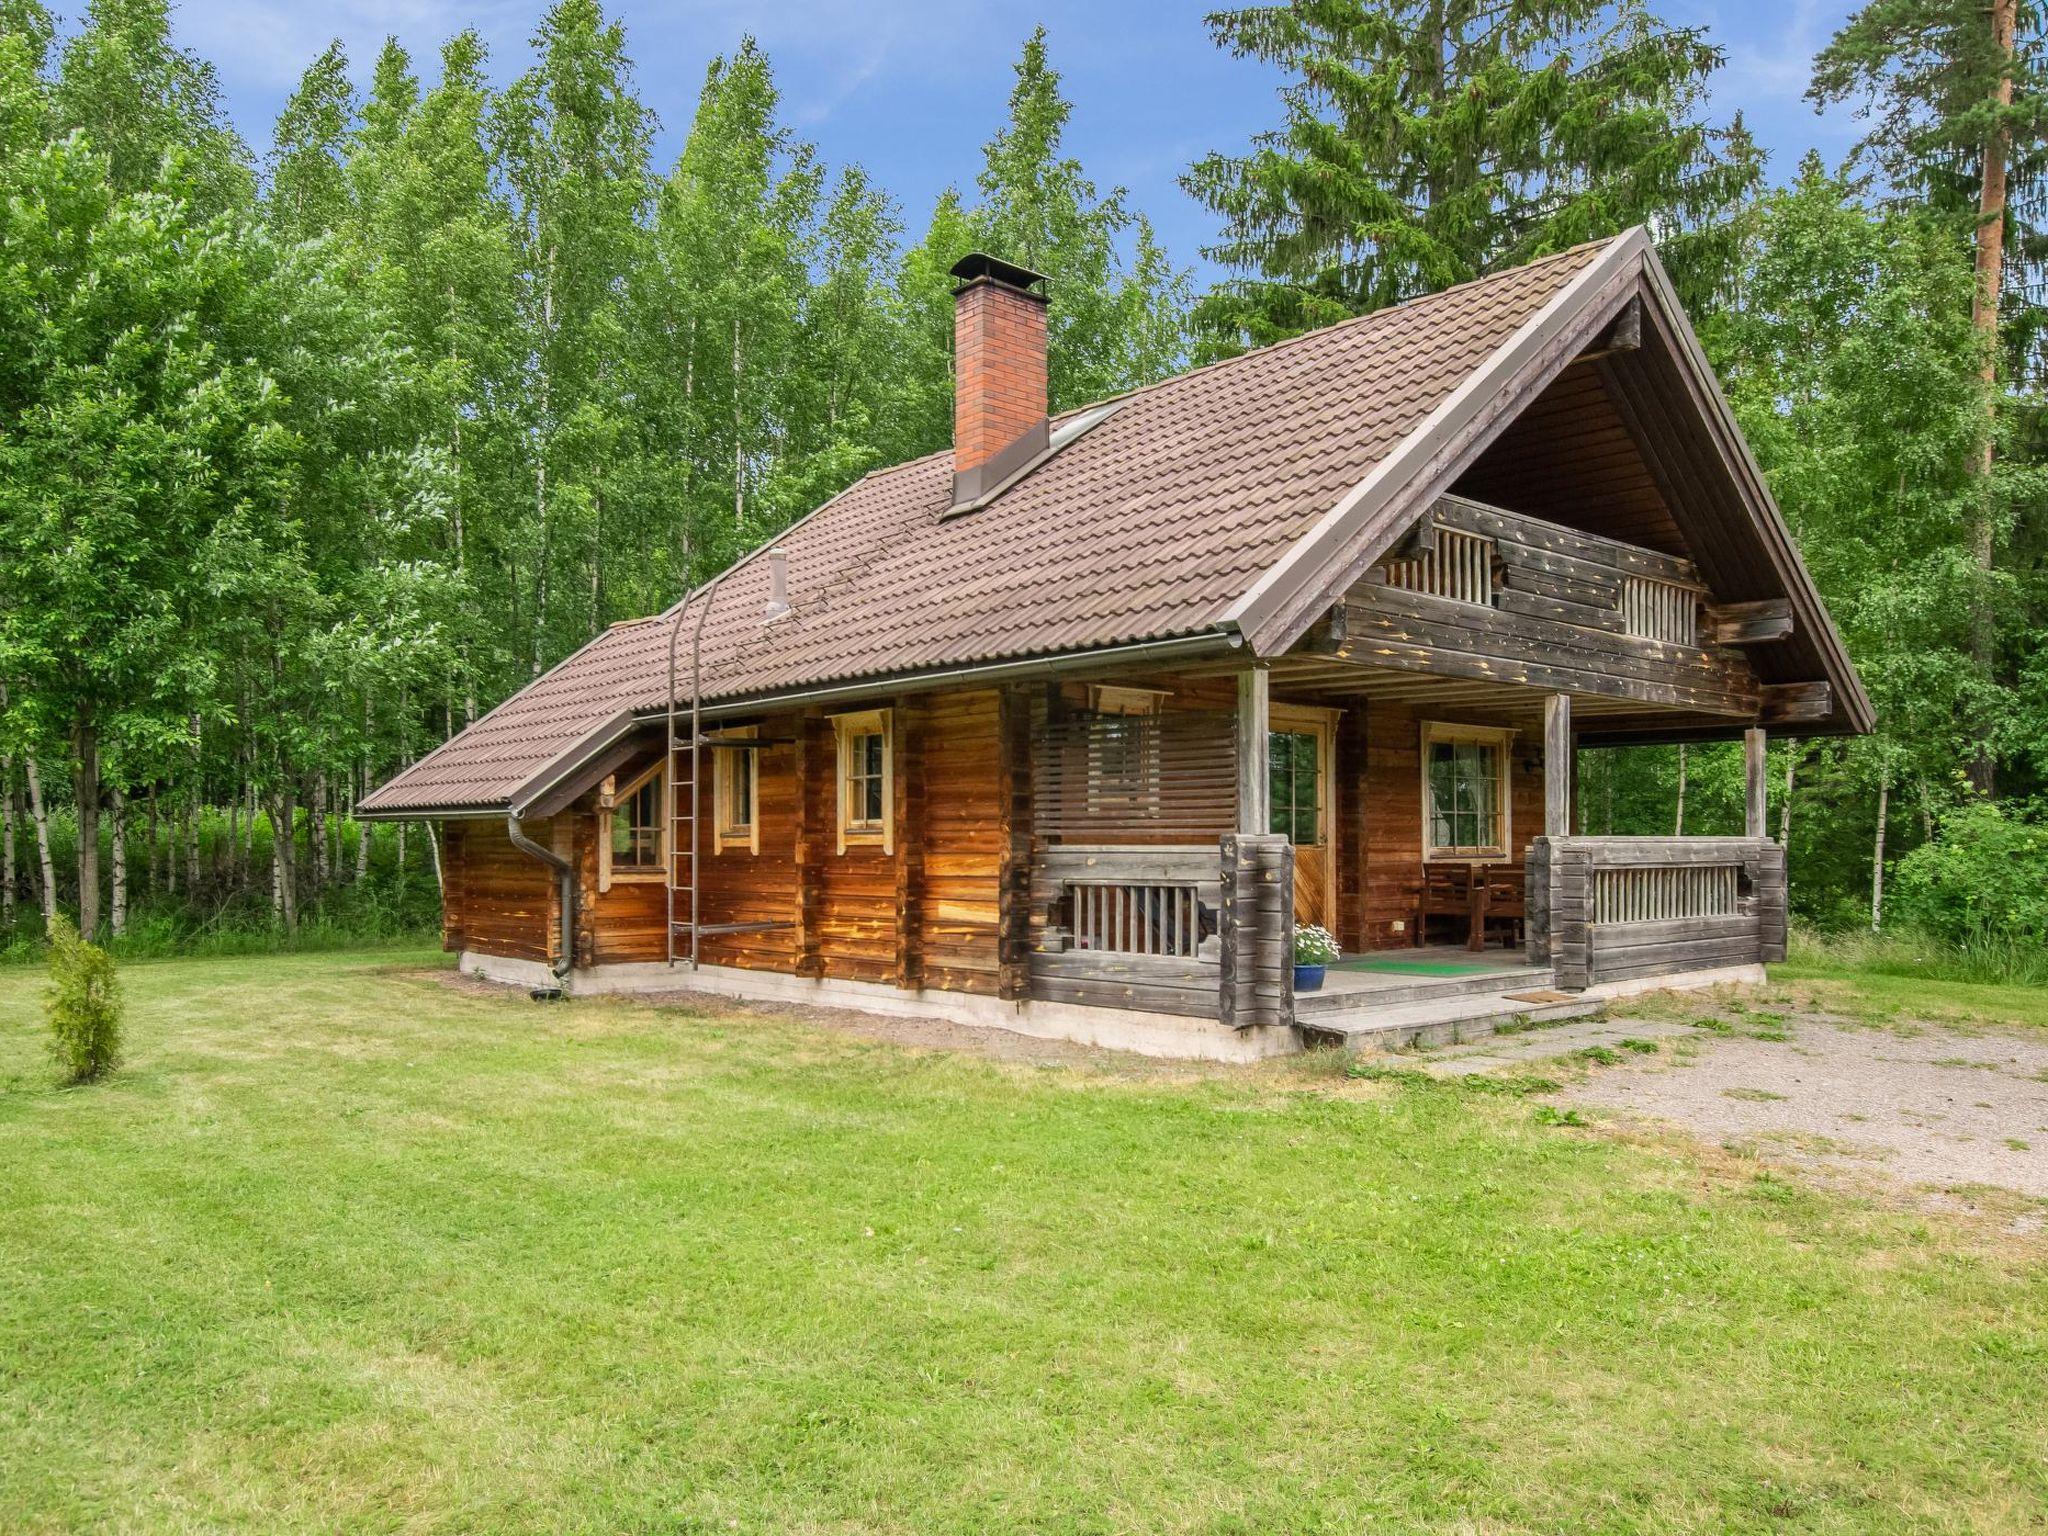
column 1427, row 142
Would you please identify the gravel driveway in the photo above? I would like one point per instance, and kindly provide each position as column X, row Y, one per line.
column 1925, row 1106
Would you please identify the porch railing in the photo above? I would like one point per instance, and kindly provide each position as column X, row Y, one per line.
column 1607, row 909
column 1184, row 929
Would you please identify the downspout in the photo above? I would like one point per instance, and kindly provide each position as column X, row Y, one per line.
column 567, row 874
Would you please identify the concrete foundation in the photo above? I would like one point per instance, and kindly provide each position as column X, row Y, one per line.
column 1119, row 1029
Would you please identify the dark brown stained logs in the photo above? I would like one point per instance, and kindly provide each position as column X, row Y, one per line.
column 911, row 741
column 1412, row 632
column 813, row 756
column 1754, row 623
column 1794, row 703
column 1013, row 833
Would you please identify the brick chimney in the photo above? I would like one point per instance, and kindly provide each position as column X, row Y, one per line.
column 999, row 389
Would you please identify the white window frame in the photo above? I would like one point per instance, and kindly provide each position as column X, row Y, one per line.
column 731, row 767
column 610, row 797
column 846, row 730
column 1501, row 739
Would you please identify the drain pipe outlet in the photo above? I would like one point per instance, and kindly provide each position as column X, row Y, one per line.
column 567, row 875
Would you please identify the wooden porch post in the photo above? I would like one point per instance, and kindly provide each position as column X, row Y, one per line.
column 1254, row 781
column 1557, row 765
column 1753, row 800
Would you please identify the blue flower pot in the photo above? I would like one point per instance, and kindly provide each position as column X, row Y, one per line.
column 1308, row 978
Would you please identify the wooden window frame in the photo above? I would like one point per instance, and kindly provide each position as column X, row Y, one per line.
column 731, row 766
column 1321, row 723
column 847, row 729
column 1501, row 739
column 609, row 798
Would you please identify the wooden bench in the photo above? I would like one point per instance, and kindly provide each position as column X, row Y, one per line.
column 1477, row 894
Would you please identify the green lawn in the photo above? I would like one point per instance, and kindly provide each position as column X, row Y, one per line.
column 343, row 1247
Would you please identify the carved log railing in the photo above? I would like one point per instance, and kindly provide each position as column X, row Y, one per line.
column 1619, row 908
column 1198, row 930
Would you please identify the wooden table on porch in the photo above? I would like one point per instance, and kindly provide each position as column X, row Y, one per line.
column 1474, row 892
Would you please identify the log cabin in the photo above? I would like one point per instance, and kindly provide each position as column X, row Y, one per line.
column 1065, row 729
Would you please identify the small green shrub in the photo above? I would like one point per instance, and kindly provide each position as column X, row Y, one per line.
column 1982, row 881
column 83, row 1003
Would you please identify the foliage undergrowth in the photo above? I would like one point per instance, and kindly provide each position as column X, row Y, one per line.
column 1983, row 959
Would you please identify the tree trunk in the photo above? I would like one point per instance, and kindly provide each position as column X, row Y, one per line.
column 7, row 817
column 1984, row 304
column 434, row 848
column 1785, row 805
column 40, row 813
column 1884, row 804
column 1678, row 824
column 85, row 790
column 284, row 898
column 316, row 831
column 363, row 849
column 117, row 804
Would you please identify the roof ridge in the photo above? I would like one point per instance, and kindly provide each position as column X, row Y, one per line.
column 1348, row 323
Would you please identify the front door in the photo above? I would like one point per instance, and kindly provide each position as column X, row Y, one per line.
column 1299, row 757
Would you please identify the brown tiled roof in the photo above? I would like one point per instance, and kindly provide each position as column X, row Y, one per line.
column 1148, row 526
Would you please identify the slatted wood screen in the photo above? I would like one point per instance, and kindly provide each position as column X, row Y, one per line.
column 1459, row 568
column 1660, row 610
column 1165, row 777
column 1661, row 893
column 1135, row 919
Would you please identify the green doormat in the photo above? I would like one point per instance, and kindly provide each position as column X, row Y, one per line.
column 1400, row 967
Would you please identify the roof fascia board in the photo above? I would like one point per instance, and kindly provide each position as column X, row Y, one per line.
column 1269, row 611
column 569, row 759
column 1748, row 475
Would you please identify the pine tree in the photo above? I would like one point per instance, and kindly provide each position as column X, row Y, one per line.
column 1114, row 322
column 1960, row 111
column 1427, row 142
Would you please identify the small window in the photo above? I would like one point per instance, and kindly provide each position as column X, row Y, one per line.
column 865, row 788
column 735, row 791
column 1464, row 792
column 636, row 841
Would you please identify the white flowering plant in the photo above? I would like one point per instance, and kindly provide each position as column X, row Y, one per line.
column 1314, row 945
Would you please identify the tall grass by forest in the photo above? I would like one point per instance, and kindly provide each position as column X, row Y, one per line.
column 1981, row 959
column 207, row 890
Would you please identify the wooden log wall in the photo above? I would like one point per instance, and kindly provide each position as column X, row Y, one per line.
column 1566, row 878
column 497, row 900
column 926, row 914
column 1557, row 621
column 1378, row 816
column 1257, row 929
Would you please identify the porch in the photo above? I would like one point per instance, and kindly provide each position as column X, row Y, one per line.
column 1405, row 777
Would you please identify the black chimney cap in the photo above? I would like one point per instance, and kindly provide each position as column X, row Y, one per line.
column 977, row 264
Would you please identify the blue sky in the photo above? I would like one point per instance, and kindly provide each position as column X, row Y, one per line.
column 911, row 88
